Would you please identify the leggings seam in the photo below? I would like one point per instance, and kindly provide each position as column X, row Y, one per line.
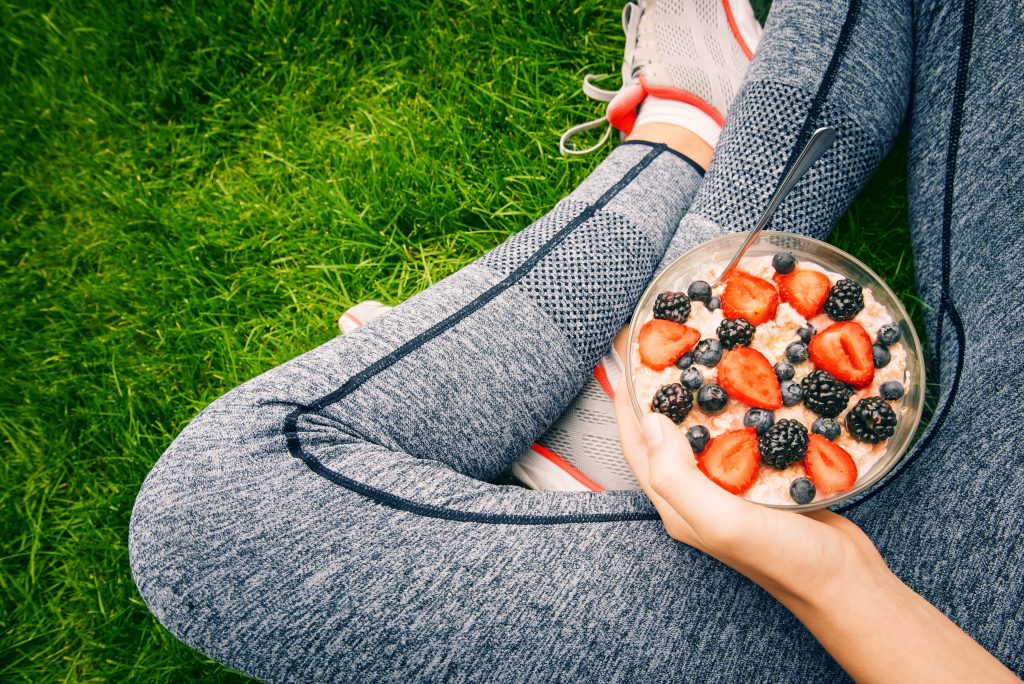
column 947, row 307
column 290, row 427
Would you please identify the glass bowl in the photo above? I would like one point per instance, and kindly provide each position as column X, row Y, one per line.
column 681, row 272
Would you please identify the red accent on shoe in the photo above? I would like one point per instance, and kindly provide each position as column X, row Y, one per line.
column 683, row 96
column 736, row 30
column 352, row 318
column 567, row 467
column 601, row 375
column 622, row 108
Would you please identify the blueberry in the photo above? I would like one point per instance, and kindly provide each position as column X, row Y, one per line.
column 713, row 303
column 806, row 333
column 827, row 428
column 784, row 371
column 881, row 355
column 802, row 490
column 698, row 436
column 891, row 390
column 792, row 393
column 759, row 419
column 691, row 378
column 712, row 398
column 797, row 352
column 888, row 335
column 708, row 352
column 784, row 262
column 684, row 361
column 699, row 291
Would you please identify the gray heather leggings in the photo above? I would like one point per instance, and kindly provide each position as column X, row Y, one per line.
column 331, row 519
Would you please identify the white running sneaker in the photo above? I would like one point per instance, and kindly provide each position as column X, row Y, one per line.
column 360, row 314
column 580, row 451
column 692, row 53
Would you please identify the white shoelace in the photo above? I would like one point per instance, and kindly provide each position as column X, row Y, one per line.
column 635, row 58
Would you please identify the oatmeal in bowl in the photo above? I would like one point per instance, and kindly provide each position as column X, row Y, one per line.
column 798, row 381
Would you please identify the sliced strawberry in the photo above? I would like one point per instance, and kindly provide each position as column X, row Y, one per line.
column 805, row 291
column 828, row 465
column 745, row 374
column 748, row 297
column 730, row 460
column 844, row 350
column 662, row 342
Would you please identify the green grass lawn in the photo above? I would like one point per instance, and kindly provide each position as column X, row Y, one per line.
column 193, row 192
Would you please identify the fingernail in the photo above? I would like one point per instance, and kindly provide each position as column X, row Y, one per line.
column 651, row 430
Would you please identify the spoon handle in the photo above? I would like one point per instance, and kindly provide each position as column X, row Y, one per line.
column 816, row 146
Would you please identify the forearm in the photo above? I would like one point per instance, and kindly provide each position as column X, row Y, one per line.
column 820, row 566
column 879, row 630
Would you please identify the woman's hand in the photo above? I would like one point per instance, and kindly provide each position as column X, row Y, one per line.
column 780, row 551
column 820, row 566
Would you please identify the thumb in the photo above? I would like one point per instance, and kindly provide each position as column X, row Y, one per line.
column 668, row 455
column 674, row 474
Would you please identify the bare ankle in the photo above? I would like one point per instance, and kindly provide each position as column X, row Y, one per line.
column 681, row 140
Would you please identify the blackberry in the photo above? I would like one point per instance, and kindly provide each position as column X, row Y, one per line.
column 713, row 303
column 797, row 352
column 784, row 371
column 698, row 436
column 784, row 262
column 699, row 291
column 845, row 300
column 783, row 444
column 806, row 333
column 827, row 428
column 684, row 361
column 792, row 393
column 712, row 398
column 891, row 390
column 691, row 378
column 871, row 420
column 672, row 306
column 802, row 490
column 673, row 401
column 708, row 352
column 759, row 419
column 888, row 335
column 734, row 332
column 880, row 355
column 825, row 395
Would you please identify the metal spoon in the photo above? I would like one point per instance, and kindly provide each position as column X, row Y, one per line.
column 819, row 142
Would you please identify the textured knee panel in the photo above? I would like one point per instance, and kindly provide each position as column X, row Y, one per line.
column 760, row 134
column 587, row 285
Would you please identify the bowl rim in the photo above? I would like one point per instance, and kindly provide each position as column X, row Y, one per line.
column 916, row 410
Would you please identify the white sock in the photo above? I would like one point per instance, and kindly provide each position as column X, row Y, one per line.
column 660, row 110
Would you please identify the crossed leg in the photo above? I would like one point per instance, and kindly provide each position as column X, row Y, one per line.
column 328, row 519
